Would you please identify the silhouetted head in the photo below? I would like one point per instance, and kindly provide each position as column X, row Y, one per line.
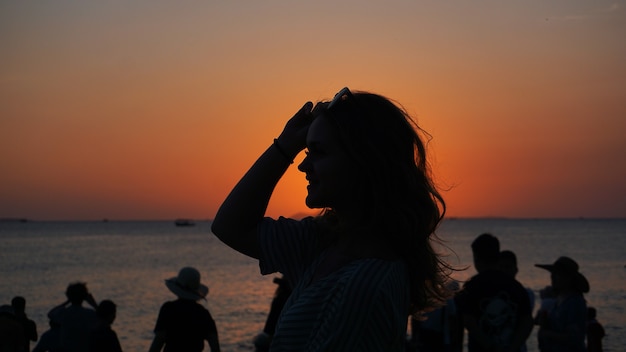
column 565, row 276
column 106, row 311
column 507, row 262
column 187, row 284
column 77, row 292
column 486, row 250
column 19, row 304
column 367, row 161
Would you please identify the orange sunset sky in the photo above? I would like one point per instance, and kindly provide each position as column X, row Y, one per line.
column 154, row 109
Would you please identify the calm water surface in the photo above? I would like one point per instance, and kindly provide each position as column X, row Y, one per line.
column 128, row 261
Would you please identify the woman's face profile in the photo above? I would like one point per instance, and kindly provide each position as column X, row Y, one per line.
column 327, row 166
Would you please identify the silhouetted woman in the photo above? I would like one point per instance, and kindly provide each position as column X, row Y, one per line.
column 366, row 262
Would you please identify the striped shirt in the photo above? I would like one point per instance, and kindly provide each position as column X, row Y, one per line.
column 362, row 306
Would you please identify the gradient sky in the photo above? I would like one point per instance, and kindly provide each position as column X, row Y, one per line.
column 154, row 109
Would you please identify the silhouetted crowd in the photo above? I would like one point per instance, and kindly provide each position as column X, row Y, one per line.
column 495, row 311
column 492, row 309
column 72, row 326
column 182, row 324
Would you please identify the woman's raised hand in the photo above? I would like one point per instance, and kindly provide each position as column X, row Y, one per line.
column 293, row 137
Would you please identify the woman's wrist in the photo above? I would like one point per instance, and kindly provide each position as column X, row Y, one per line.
column 281, row 150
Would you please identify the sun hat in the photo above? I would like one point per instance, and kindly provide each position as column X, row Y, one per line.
column 567, row 266
column 187, row 284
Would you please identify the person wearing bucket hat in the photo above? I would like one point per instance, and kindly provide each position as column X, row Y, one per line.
column 187, row 285
column 563, row 327
column 184, row 324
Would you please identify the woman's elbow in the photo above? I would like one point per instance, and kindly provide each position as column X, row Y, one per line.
column 241, row 240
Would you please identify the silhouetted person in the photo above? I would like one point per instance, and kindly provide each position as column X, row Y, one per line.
column 366, row 262
column 30, row 328
column 564, row 326
column 595, row 331
column 494, row 307
column 103, row 338
column 50, row 340
column 507, row 262
column 76, row 321
column 184, row 324
column 263, row 340
column 11, row 331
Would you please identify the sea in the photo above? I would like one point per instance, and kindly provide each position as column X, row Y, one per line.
column 128, row 261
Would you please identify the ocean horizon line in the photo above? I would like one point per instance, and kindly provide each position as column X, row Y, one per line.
column 174, row 219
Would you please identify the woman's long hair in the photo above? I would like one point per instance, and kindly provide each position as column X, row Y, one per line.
column 400, row 200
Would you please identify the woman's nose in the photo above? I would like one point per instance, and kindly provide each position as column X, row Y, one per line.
column 304, row 165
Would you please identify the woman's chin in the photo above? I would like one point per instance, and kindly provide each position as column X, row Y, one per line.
column 312, row 203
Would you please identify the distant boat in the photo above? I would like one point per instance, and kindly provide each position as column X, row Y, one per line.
column 184, row 222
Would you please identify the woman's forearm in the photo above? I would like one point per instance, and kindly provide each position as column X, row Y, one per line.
column 237, row 218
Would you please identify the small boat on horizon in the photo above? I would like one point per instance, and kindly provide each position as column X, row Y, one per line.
column 184, row 222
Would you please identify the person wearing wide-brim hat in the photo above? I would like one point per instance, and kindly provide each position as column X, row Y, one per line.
column 187, row 285
column 184, row 324
column 563, row 327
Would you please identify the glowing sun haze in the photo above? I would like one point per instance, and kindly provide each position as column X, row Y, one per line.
column 154, row 109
